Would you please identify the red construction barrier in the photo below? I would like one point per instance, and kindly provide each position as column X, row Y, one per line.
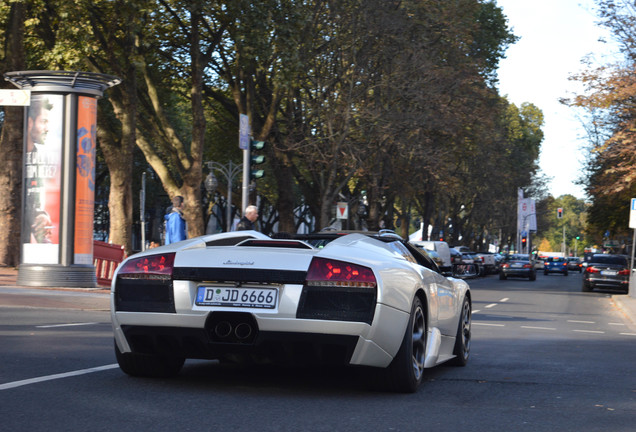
column 106, row 258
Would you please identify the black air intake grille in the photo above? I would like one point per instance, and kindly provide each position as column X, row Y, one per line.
column 337, row 303
column 140, row 295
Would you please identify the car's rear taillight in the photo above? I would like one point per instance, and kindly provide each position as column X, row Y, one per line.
column 148, row 267
column 624, row 272
column 592, row 269
column 505, row 265
column 327, row 272
column 527, row 266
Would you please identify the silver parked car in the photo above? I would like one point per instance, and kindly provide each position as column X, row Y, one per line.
column 575, row 264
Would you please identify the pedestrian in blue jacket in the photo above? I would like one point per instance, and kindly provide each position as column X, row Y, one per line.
column 175, row 224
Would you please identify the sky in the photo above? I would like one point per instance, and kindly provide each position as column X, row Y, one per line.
column 555, row 37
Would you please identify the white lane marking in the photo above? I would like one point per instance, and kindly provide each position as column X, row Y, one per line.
column 589, row 331
column 617, row 324
column 476, row 311
column 66, row 325
column 628, row 334
column 538, row 328
column 486, row 324
column 56, row 376
column 492, row 305
column 581, row 322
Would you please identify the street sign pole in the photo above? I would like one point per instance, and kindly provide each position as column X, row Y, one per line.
column 244, row 144
column 632, row 275
column 142, row 210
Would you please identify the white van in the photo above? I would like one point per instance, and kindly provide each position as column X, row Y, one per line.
column 442, row 250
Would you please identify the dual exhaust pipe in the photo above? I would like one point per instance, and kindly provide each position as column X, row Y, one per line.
column 226, row 330
column 232, row 327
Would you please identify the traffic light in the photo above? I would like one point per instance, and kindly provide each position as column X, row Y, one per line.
column 524, row 240
column 256, row 159
column 559, row 213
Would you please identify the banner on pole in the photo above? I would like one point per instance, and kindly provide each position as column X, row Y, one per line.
column 526, row 215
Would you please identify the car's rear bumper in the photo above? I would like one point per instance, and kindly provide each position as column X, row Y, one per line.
column 220, row 334
column 253, row 344
column 555, row 270
column 622, row 282
column 517, row 272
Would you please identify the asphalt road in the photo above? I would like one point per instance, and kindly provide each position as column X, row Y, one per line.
column 545, row 357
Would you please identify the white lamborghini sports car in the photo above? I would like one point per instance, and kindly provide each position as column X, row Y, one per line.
column 360, row 299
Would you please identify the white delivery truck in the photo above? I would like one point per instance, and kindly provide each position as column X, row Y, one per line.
column 442, row 250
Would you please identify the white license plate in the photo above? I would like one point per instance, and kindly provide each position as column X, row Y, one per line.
column 260, row 298
column 609, row 272
column 516, row 265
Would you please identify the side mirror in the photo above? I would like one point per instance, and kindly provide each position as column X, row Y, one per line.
column 465, row 270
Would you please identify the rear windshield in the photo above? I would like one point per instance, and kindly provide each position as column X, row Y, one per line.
column 555, row 259
column 609, row 259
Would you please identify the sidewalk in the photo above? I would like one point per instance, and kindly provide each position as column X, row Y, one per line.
column 627, row 304
column 9, row 278
column 14, row 295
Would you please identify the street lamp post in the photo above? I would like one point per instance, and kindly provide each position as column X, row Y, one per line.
column 564, row 248
column 230, row 171
column 576, row 246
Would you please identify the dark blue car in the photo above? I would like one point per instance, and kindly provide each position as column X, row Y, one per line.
column 555, row 265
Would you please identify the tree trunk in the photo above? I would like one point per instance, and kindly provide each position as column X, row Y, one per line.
column 118, row 155
column 11, row 146
column 11, row 186
column 120, row 202
column 194, row 176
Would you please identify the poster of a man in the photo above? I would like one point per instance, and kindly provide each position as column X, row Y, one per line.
column 38, row 122
column 42, row 172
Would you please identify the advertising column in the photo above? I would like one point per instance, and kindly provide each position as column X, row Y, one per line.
column 60, row 130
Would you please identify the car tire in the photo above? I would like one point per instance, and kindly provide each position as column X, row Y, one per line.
column 586, row 287
column 565, row 274
column 545, row 272
column 405, row 372
column 532, row 277
column 502, row 276
column 463, row 337
column 148, row 365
